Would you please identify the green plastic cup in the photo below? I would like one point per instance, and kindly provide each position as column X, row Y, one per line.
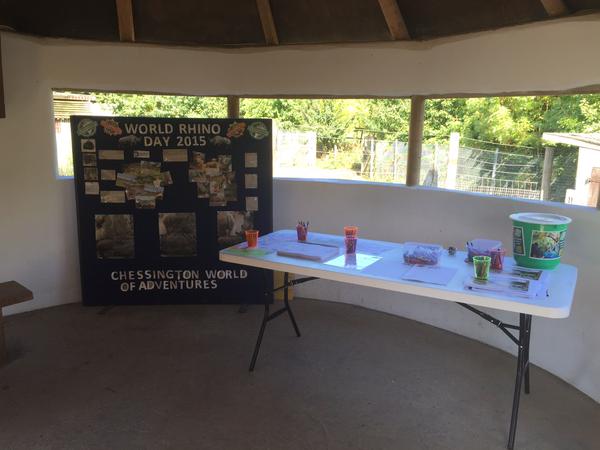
column 539, row 239
column 481, row 267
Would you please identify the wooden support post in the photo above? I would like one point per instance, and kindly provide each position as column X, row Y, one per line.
column 594, row 189
column 2, row 108
column 233, row 106
column 415, row 140
column 125, row 20
column 547, row 172
column 452, row 168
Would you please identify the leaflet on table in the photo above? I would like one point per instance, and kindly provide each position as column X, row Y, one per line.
column 539, row 275
column 356, row 261
column 513, row 287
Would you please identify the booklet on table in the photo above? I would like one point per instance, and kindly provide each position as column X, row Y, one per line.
column 515, row 282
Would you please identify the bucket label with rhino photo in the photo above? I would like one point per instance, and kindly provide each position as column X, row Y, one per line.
column 547, row 244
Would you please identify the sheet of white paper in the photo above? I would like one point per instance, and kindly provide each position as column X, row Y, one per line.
column 356, row 261
column 372, row 248
column 387, row 268
column 430, row 274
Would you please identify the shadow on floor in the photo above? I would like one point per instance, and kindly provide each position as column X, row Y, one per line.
column 175, row 377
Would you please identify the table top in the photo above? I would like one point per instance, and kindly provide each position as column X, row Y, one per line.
column 386, row 274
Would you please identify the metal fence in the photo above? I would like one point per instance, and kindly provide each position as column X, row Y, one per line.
column 493, row 172
column 465, row 165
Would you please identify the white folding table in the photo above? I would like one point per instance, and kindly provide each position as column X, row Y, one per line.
column 386, row 273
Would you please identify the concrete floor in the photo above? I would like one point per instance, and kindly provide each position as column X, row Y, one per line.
column 176, row 377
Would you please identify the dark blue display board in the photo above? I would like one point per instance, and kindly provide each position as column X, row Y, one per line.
column 157, row 198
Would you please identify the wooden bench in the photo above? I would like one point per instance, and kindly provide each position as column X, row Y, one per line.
column 11, row 293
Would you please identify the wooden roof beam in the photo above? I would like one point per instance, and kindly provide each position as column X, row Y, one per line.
column 125, row 18
column 395, row 21
column 555, row 7
column 268, row 24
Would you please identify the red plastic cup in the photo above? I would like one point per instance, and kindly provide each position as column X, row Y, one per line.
column 252, row 238
column 350, row 242
column 350, row 231
column 497, row 256
column 302, row 232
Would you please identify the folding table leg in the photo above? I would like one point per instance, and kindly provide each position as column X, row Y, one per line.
column 260, row 337
column 287, row 304
column 522, row 363
column 527, row 340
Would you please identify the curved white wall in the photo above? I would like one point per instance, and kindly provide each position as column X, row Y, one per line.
column 37, row 224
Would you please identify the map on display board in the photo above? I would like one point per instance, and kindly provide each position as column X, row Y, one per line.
column 157, row 198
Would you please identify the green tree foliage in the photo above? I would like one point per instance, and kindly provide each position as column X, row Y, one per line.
column 164, row 105
column 332, row 120
column 513, row 124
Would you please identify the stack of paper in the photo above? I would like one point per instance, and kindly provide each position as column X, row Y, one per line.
column 312, row 252
column 516, row 282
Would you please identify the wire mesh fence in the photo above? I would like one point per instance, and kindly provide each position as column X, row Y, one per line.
column 473, row 166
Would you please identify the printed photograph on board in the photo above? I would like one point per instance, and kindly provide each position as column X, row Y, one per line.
column 197, row 162
column 90, row 174
column 177, row 232
column 112, row 196
column 88, row 145
column 89, row 159
column 114, row 236
column 203, row 189
column 231, row 226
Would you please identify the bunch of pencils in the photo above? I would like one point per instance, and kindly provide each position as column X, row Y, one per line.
column 302, row 230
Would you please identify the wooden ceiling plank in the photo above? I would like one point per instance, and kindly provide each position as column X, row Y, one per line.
column 268, row 24
column 393, row 18
column 125, row 18
column 555, row 7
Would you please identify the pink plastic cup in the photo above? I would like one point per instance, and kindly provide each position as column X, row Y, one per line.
column 350, row 242
column 497, row 256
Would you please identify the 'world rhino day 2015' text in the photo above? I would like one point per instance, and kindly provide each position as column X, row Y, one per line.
column 161, row 134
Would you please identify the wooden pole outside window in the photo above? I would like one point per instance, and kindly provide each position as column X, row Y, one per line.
column 547, row 173
column 415, row 140
column 233, row 106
